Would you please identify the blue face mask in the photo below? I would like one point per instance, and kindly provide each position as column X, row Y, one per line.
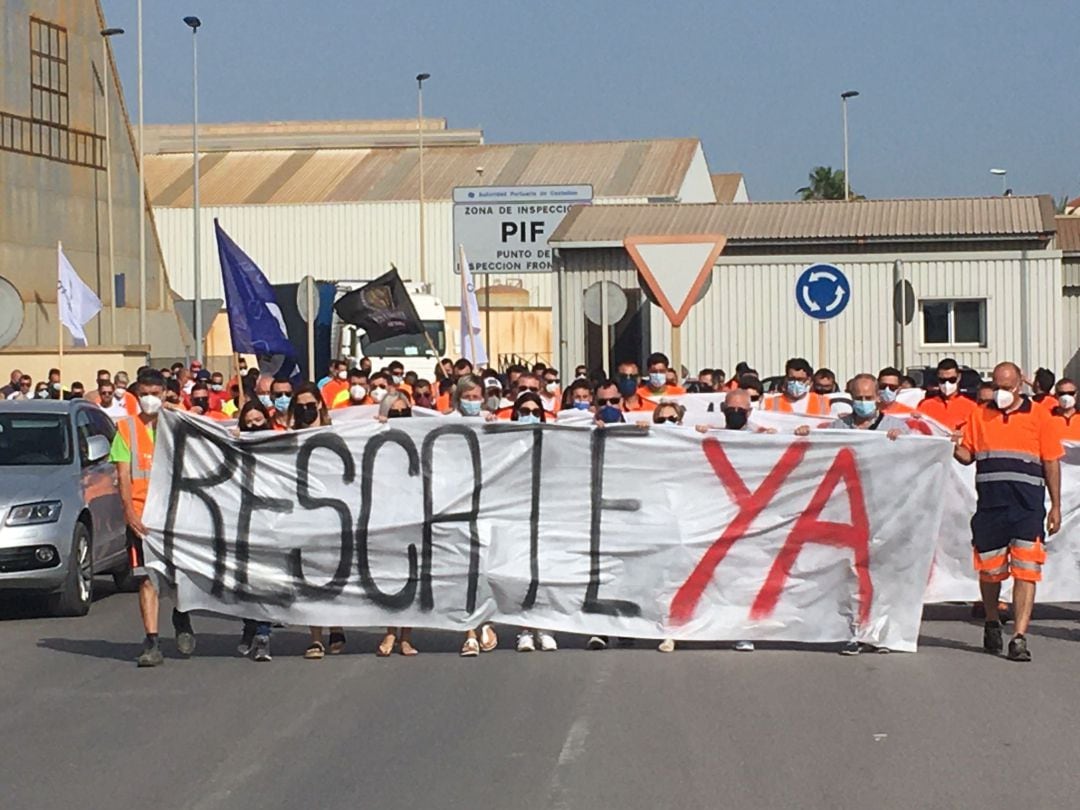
column 864, row 408
column 627, row 386
column 610, row 414
column 266, row 401
column 528, row 419
column 887, row 395
column 657, row 379
column 282, row 402
column 581, row 406
column 471, row 407
column 798, row 388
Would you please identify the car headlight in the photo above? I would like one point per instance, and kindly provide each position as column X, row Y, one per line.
column 29, row 514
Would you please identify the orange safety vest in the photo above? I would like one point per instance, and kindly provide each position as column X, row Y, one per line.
column 816, row 405
column 142, row 454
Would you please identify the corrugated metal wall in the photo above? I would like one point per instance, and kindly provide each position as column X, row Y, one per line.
column 330, row 241
column 1070, row 316
column 749, row 311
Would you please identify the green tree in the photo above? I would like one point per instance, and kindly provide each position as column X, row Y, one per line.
column 826, row 184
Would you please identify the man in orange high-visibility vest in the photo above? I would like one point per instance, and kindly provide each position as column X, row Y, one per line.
column 132, row 453
column 797, row 396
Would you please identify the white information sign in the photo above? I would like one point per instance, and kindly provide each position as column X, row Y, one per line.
column 505, row 229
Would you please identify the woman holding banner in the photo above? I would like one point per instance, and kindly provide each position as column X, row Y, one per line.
column 467, row 402
column 395, row 406
column 308, row 410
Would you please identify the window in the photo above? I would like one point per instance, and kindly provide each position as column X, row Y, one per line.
column 954, row 323
column 28, row 439
column 48, row 73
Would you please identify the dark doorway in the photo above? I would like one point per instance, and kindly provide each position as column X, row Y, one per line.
column 632, row 336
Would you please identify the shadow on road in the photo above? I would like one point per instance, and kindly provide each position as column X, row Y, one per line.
column 16, row 606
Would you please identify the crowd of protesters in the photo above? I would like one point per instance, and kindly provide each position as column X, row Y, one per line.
column 1008, row 528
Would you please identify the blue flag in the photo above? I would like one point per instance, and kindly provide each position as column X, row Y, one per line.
column 256, row 324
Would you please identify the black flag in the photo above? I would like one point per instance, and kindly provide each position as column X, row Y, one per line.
column 382, row 308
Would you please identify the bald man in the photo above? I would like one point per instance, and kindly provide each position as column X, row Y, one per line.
column 1016, row 448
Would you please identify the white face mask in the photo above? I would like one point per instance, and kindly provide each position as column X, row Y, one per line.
column 1004, row 399
column 378, row 395
column 357, row 392
column 343, row 375
column 150, row 404
column 949, row 388
column 119, row 390
column 1067, row 402
column 551, row 387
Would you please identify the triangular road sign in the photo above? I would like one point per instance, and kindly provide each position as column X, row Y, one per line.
column 675, row 267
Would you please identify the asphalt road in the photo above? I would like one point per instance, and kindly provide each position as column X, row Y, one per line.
column 947, row 727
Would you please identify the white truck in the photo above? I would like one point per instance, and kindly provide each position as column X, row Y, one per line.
column 413, row 351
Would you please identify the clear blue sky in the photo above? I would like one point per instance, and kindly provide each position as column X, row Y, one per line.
column 949, row 89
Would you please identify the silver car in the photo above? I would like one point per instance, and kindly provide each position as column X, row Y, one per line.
column 62, row 517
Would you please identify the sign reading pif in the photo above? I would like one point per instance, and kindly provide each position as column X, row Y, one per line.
column 446, row 523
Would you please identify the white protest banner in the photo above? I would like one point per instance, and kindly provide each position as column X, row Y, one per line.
column 620, row 531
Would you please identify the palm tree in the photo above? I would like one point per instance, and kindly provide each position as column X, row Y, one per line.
column 826, row 184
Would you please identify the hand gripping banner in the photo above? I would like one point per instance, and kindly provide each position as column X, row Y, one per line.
column 447, row 523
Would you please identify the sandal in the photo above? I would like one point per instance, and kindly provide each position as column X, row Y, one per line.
column 337, row 643
column 315, row 652
column 407, row 649
column 488, row 639
column 470, row 649
column 384, row 649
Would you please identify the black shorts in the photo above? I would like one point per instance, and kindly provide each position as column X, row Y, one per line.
column 994, row 529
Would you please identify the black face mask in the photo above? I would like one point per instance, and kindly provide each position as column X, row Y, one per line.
column 307, row 414
column 735, row 418
column 254, row 428
column 201, row 403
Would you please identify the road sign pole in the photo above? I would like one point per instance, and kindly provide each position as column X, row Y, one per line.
column 604, row 331
column 311, row 331
column 821, row 343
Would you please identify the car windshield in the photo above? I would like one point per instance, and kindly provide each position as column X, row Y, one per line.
column 408, row 345
column 34, row 438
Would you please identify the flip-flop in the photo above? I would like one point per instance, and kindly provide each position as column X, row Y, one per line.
column 470, row 649
column 489, row 639
column 337, row 643
column 384, row 650
column 408, row 650
column 315, row 651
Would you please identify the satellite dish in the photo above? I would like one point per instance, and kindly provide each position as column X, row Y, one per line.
column 11, row 312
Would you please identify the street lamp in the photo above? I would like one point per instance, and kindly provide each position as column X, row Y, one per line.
column 142, row 189
column 1004, row 182
column 420, row 79
column 843, row 104
column 105, row 34
column 193, row 23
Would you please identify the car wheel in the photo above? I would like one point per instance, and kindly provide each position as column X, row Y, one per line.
column 124, row 580
column 78, row 591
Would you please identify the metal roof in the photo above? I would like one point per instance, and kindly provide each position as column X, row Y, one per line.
column 1068, row 234
column 649, row 168
column 726, row 185
column 814, row 221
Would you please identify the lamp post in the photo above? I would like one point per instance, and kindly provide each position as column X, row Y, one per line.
column 142, row 191
column 420, row 79
column 1002, row 173
column 843, row 104
column 105, row 34
column 193, row 23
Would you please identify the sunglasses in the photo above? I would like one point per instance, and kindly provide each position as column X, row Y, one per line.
column 888, row 387
column 528, row 411
column 1067, row 393
column 671, row 420
column 383, row 387
column 533, row 390
column 400, row 412
column 943, row 380
column 611, row 401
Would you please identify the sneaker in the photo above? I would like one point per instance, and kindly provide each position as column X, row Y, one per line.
column 667, row 645
column 151, row 654
column 525, row 642
column 547, row 641
column 185, row 636
column 597, row 643
column 1018, row 649
column 744, row 646
column 992, row 642
column 247, row 640
column 851, row 648
column 262, row 648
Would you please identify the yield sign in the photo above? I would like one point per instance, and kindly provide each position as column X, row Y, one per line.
column 675, row 268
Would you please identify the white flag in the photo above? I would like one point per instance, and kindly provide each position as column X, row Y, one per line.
column 76, row 302
column 472, row 338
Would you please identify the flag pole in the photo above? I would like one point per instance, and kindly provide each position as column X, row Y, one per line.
column 466, row 305
column 59, row 322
